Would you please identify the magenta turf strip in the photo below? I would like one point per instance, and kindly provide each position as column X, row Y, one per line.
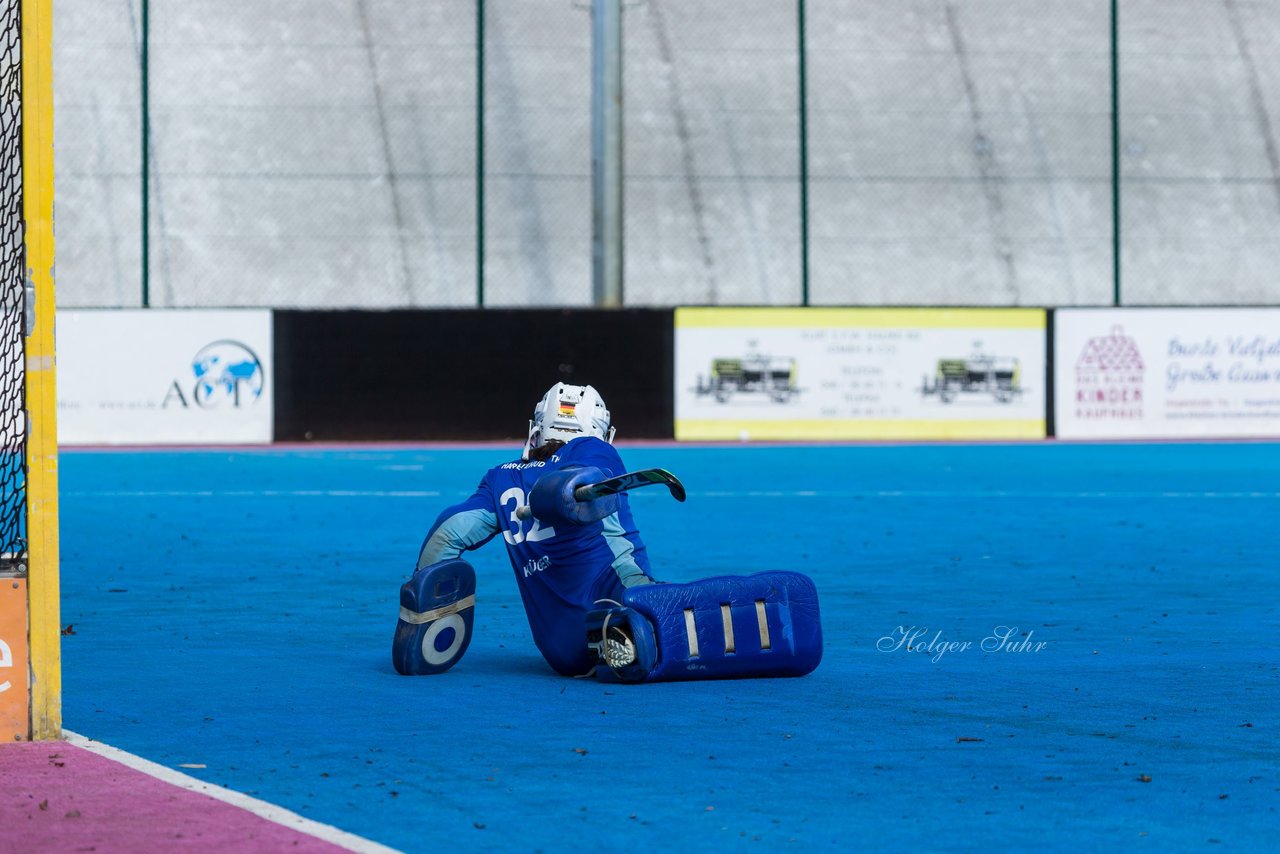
column 55, row 796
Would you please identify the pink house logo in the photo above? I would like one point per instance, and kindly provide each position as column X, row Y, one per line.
column 1109, row 378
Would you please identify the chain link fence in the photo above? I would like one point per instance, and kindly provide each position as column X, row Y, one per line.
column 372, row 153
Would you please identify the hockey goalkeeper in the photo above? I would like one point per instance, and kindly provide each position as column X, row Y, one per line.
column 584, row 577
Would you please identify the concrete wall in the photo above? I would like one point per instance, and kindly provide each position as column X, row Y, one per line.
column 322, row 153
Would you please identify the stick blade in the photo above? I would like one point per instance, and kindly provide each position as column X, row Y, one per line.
column 673, row 483
column 633, row 480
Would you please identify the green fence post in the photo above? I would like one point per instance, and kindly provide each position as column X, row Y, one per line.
column 1115, row 153
column 145, row 77
column 804, row 158
column 480, row 153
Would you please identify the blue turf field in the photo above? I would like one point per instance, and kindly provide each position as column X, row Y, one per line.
column 235, row 609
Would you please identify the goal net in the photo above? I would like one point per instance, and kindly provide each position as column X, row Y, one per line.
column 13, row 523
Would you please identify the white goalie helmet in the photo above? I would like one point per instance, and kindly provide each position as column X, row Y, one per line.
column 567, row 412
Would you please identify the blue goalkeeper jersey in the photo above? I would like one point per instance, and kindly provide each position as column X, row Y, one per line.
column 562, row 571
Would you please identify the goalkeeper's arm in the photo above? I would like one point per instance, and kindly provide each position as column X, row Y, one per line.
column 459, row 528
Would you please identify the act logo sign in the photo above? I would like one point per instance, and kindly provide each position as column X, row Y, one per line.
column 165, row 376
column 223, row 374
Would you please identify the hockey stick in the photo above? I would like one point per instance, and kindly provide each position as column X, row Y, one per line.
column 622, row 483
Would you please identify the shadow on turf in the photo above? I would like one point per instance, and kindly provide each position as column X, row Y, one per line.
column 491, row 663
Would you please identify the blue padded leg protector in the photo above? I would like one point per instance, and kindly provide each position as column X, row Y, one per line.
column 437, row 611
column 767, row 624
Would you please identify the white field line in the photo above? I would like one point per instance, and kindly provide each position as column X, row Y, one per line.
column 972, row 493
column 270, row 812
column 751, row 493
column 256, row 493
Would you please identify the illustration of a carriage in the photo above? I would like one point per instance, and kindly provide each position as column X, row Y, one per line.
column 773, row 377
column 999, row 376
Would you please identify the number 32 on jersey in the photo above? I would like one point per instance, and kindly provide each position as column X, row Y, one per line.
column 518, row 535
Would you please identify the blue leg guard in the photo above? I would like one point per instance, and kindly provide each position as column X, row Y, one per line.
column 766, row 624
column 437, row 611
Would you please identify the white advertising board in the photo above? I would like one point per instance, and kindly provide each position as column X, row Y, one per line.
column 161, row 376
column 859, row 373
column 1167, row 373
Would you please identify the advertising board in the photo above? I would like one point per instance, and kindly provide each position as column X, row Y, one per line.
column 1167, row 373
column 162, row 376
column 859, row 373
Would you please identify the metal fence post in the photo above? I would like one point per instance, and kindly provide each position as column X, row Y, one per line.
column 1115, row 152
column 804, row 157
column 480, row 153
column 145, row 78
column 606, row 152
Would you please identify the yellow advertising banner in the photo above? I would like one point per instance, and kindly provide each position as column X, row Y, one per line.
column 14, row 702
column 838, row 373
